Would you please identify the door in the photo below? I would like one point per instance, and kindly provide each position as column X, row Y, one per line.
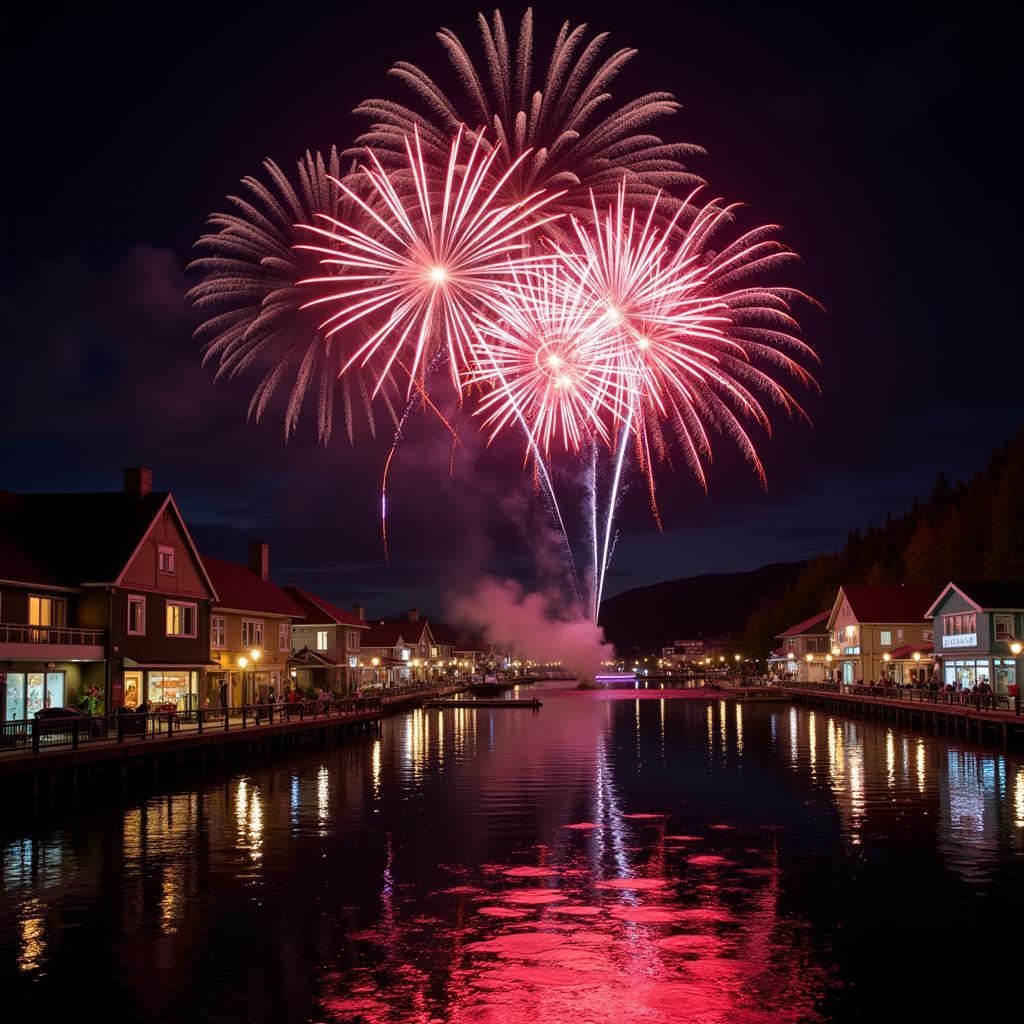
column 36, row 694
column 55, row 689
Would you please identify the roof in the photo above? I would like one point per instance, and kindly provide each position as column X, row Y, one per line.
column 815, row 624
column 907, row 651
column 984, row 595
column 443, row 633
column 310, row 657
column 887, row 604
column 317, row 611
column 239, row 588
column 387, row 634
column 68, row 539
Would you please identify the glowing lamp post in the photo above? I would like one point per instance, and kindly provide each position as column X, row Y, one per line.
column 828, row 666
column 885, row 659
column 242, row 662
column 809, row 658
column 375, row 662
column 1015, row 649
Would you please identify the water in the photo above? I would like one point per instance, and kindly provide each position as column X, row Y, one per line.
column 602, row 860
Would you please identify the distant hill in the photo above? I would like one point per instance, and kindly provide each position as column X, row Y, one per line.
column 647, row 618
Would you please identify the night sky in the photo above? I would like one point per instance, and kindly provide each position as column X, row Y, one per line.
column 884, row 139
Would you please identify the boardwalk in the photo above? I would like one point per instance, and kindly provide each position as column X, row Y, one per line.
column 982, row 718
column 59, row 747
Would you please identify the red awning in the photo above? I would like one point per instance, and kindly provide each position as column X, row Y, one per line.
column 906, row 652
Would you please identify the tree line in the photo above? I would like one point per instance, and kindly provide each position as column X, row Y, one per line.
column 967, row 531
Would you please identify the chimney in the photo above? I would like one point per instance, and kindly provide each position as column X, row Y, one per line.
column 138, row 481
column 360, row 610
column 414, row 615
column 259, row 559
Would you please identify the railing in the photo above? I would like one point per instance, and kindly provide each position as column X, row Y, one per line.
column 912, row 694
column 35, row 735
column 17, row 633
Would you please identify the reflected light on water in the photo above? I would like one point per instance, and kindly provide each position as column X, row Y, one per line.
column 32, row 924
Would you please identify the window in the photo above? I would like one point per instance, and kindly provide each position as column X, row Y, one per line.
column 165, row 559
column 321, row 639
column 218, row 627
column 252, row 632
column 136, row 615
column 1004, row 627
column 886, row 637
column 284, row 636
column 181, row 619
column 958, row 625
column 46, row 612
column 352, row 639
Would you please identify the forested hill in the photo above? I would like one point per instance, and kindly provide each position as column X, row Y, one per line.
column 647, row 618
column 972, row 530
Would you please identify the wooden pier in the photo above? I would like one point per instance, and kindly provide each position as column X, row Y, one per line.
column 964, row 721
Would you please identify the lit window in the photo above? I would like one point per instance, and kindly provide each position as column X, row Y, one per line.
column 284, row 636
column 886, row 635
column 321, row 640
column 252, row 632
column 181, row 619
column 217, row 631
column 165, row 559
column 136, row 615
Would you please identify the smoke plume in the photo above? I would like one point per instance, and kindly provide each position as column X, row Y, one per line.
column 536, row 626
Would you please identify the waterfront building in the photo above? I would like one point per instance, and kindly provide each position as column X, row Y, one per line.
column 875, row 631
column 804, row 650
column 250, row 630
column 103, row 590
column 399, row 652
column 975, row 625
column 701, row 651
column 326, row 644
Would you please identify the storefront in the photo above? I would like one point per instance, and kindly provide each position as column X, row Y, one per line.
column 163, row 686
column 29, row 692
column 965, row 673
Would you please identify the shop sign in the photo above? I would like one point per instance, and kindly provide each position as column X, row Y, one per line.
column 960, row 640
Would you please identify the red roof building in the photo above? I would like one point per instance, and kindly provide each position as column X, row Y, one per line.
column 868, row 624
column 326, row 645
column 804, row 650
column 250, row 630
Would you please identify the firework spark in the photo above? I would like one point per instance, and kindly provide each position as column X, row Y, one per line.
column 428, row 263
column 558, row 130
column 253, row 304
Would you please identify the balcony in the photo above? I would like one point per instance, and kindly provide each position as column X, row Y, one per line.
column 19, row 642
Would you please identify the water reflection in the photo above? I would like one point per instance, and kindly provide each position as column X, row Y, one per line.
column 647, row 859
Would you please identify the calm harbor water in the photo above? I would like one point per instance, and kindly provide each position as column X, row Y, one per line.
column 602, row 860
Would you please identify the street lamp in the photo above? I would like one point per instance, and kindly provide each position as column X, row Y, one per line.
column 809, row 658
column 1015, row 649
column 917, row 665
column 242, row 662
column 255, row 653
column 885, row 658
column 828, row 666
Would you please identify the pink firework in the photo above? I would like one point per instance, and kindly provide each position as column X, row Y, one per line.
column 556, row 121
column 693, row 335
column 440, row 247
column 548, row 364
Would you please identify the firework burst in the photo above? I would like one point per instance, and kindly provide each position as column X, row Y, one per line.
column 547, row 363
column 428, row 262
column 250, row 296
column 693, row 333
column 557, row 127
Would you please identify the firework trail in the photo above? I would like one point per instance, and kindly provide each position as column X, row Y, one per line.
column 251, row 299
column 432, row 262
column 557, row 127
